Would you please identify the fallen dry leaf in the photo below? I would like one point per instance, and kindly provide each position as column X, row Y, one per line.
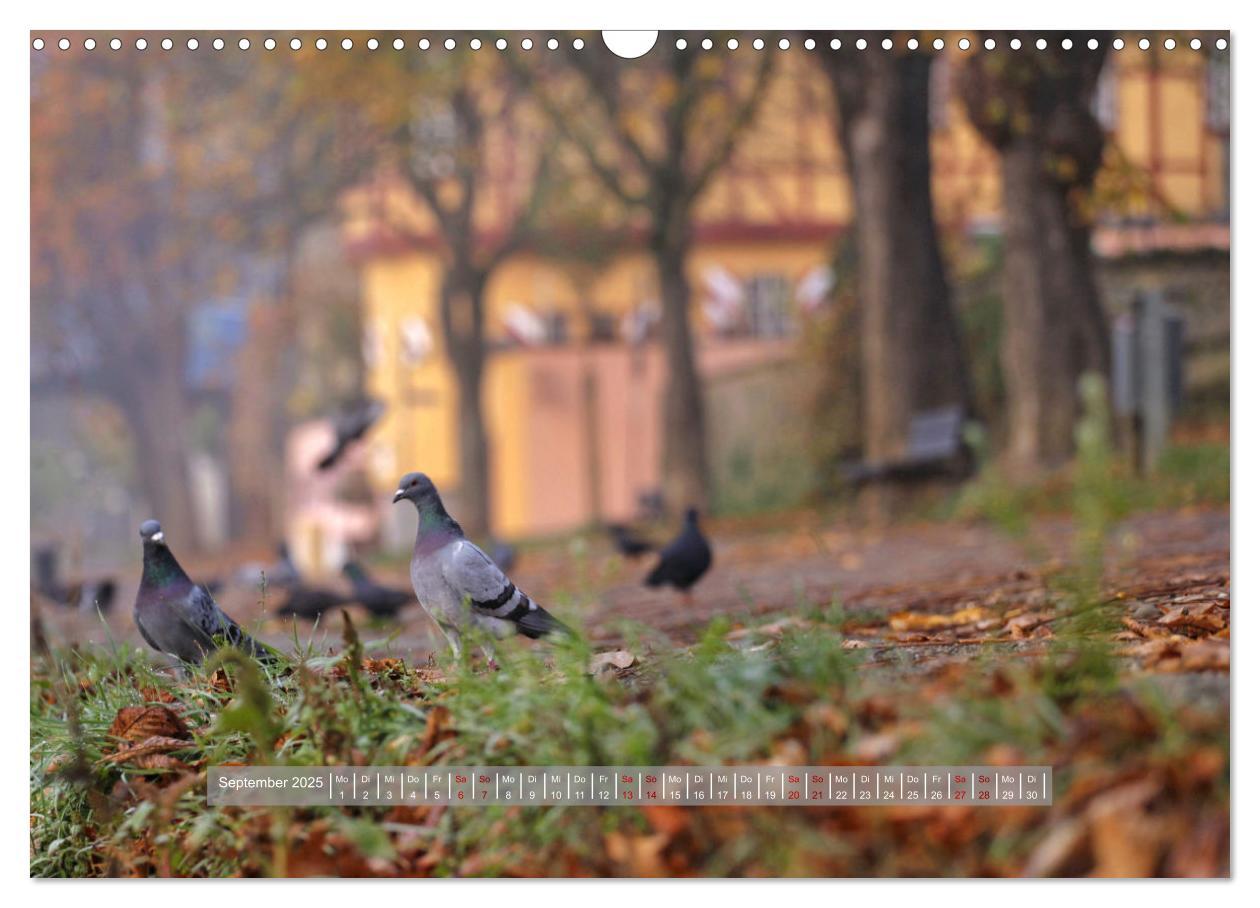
column 157, row 744
column 611, row 661
column 917, row 621
column 136, row 723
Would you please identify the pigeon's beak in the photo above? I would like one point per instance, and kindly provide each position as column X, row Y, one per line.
column 400, row 495
column 159, row 538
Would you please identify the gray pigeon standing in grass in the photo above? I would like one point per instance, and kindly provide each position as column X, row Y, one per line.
column 179, row 617
column 457, row 583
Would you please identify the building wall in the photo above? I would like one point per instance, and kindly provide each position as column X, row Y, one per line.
column 777, row 209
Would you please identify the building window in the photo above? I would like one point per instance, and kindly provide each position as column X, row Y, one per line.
column 768, row 298
column 1216, row 109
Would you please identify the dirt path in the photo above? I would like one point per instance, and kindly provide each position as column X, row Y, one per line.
column 927, row 568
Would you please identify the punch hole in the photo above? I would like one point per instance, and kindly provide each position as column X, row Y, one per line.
column 578, row 44
column 296, row 44
column 217, row 44
column 630, row 45
column 835, row 43
column 38, row 44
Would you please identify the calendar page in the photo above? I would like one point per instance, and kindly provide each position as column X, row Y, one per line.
column 564, row 453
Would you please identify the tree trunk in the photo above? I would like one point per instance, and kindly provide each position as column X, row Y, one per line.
column 912, row 357
column 1055, row 330
column 1035, row 110
column 253, row 446
column 157, row 414
column 685, row 467
column 463, row 326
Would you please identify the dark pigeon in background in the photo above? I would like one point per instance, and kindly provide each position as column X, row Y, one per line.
column 178, row 617
column 628, row 542
column 351, row 424
column 310, row 602
column 86, row 596
column 382, row 601
column 684, row 560
column 457, row 583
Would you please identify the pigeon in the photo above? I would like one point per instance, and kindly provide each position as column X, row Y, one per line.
column 283, row 573
column 310, row 602
column 457, row 583
column 628, row 543
column 684, row 560
column 504, row 555
column 90, row 595
column 382, row 601
column 181, row 618
column 351, row 425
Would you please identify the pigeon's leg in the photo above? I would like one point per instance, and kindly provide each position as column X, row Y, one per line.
column 452, row 638
column 487, row 650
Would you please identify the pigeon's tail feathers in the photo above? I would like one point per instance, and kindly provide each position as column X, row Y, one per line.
column 658, row 576
column 537, row 622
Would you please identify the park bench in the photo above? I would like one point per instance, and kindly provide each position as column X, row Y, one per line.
column 935, row 447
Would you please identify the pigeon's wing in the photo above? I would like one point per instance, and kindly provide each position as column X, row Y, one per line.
column 145, row 634
column 487, row 590
column 212, row 627
column 478, row 580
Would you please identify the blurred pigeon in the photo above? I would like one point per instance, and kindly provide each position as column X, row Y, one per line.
column 310, row 602
column 86, row 596
column 504, row 556
column 179, row 617
column 628, row 543
column 684, row 560
column 382, row 601
column 351, row 424
column 280, row 574
column 455, row 581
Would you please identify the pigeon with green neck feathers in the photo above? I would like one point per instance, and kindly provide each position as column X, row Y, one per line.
column 457, row 583
column 179, row 617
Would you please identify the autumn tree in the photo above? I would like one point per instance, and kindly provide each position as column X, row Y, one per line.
column 161, row 183
column 113, row 269
column 456, row 138
column 655, row 131
column 911, row 353
column 1035, row 109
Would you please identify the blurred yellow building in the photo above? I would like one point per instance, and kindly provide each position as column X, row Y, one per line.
column 563, row 335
